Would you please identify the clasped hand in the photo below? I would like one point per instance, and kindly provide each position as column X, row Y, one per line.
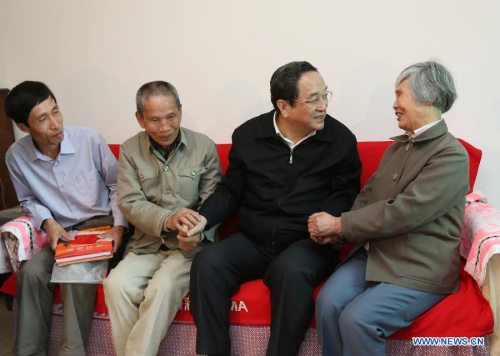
column 325, row 229
column 190, row 225
column 183, row 220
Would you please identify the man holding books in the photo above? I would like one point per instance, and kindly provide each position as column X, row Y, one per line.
column 65, row 179
column 164, row 172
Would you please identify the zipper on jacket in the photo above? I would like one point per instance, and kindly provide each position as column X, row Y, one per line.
column 272, row 242
column 290, row 160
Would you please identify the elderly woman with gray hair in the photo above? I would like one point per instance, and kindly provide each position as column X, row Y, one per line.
column 405, row 225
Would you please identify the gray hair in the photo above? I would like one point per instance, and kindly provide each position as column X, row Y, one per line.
column 156, row 88
column 430, row 82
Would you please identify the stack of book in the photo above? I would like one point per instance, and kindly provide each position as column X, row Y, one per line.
column 85, row 247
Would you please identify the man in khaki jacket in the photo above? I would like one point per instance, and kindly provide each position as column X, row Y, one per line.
column 405, row 224
column 164, row 172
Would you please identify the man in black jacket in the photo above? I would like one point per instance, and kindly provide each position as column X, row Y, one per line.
column 284, row 166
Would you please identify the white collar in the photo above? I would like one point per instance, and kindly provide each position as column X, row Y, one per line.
column 287, row 140
column 420, row 130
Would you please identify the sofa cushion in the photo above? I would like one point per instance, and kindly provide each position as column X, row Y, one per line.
column 465, row 313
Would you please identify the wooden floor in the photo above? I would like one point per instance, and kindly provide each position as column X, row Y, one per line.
column 6, row 330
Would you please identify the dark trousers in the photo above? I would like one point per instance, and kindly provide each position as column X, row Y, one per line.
column 219, row 270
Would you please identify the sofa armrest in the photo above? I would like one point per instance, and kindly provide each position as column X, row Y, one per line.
column 491, row 291
column 480, row 236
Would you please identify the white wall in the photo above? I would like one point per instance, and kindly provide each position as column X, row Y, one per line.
column 220, row 55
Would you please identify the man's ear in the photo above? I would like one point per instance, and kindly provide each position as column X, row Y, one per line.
column 139, row 119
column 23, row 128
column 284, row 107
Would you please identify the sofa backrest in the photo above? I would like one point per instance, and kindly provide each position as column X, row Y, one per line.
column 370, row 153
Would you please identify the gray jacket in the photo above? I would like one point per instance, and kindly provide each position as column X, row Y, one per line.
column 411, row 211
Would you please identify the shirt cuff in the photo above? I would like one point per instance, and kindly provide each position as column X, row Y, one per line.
column 120, row 220
column 39, row 220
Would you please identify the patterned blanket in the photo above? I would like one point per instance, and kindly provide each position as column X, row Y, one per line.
column 480, row 236
column 20, row 241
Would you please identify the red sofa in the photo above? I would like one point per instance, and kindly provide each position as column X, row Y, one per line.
column 463, row 314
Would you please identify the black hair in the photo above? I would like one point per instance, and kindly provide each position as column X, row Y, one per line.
column 23, row 98
column 284, row 81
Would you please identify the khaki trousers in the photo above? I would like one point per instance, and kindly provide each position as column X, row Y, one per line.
column 143, row 294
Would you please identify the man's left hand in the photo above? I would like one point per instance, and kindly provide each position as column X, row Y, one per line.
column 116, row 234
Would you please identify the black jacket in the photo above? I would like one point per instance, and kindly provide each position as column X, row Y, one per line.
column 276, row 190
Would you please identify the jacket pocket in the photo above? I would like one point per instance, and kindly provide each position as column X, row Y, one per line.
column 418, row 258
column 150, row 185
column 189, row 178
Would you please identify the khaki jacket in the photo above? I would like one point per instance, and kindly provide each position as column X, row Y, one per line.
column 151, row 188
column 411, row 211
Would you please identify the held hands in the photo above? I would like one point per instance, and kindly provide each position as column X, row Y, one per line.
column 190, row 225
column 325, row 228
column 198, row 228
column 188, row 243
column 55, row 232
column 183, row 220
column 115, row 234
column 190, row 238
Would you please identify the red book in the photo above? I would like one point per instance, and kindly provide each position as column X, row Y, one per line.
column 84, row 247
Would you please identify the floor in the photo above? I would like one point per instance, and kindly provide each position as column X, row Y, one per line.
column 6, row 330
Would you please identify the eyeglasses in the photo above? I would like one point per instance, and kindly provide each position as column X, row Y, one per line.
column 326, row 97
